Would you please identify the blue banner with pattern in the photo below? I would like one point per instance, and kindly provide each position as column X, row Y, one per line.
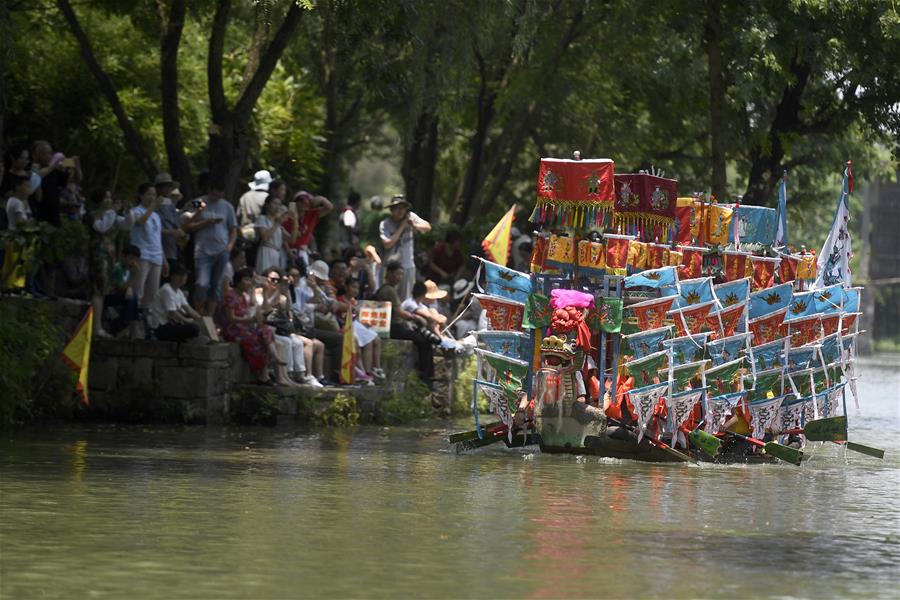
column 767, row 301
column 733, row 292
column 727, row 349
column 754, row 224
column 508, row 283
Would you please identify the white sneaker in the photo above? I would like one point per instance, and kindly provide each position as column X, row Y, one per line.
column 377, row 372
column 310, row 380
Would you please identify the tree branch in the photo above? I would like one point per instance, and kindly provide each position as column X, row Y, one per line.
column 267, row 63
column 217, row 104
column 171, row 113
column 133, row 140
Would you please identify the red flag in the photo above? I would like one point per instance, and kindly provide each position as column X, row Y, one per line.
column 803, row 330
column 656, row 255
column 651, row 314
column 691, row 262
column 847, row 321
column 735, row 265
column 726, row 321
column 788, row 269
column 617, row 251
column 691, row 320
column 763, row 272
column 830, row 324
column 768, row 328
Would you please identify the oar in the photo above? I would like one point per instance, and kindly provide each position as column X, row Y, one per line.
column 659, row 444
column 469, row 435
column 491, row 436
column 834, row 429
column 706, row 442
column 785, row 453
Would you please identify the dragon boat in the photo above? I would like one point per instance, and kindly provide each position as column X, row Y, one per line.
column 662, row 328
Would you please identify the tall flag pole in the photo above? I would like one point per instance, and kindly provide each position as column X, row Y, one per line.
column 496, row 244
column 781, row 233
column 77, row 353
column 833, row 263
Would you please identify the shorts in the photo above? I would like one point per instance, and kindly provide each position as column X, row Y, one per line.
column 208, row 273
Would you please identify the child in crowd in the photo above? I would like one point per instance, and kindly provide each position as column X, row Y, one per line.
column 172, row 318
column 367, row 340
column 122, row 295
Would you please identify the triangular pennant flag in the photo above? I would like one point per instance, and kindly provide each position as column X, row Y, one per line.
column 644, row 400
column 537, row 312
column 651, row 314
column 77, row 353
column 496, row 244
column 725, row 378
column 834, row 259
column 767, row 301
column 763, row 414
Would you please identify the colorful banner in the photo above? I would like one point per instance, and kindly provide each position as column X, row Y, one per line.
column 509, row 373
column 617, row 252
column 831, row 348
column 833, row 264
column 560, row 252
column 606, row 316
column 591, row 257
column 503, row 314
column 736, row 264
column 718, row 220
column 829, row 300
column 765, row 302
column 687, row 348
column 752, row 225
column 725, row 378
column 347, row 374
column 644, row 370
column 806, row 270
column 696, row 291
column 644, row 343
column 651, row 314
column 507, row 283
column 763, row 415
column 848, row 320
column 501, row 403
column 644, row 399
column 733, row 292
column 727, row 349
column 781, row 234
column 656, row 255
column 691, row 262
column 536, row 314
column 851, row 300
column 717, row 408
column 573, row 193
column 687, row 220
column 496, row 244
column 769, row 355
column 790, row 415
column 803, row 330
column 802, row 358
column 688, row 374
column 77, row 353
column 637, row 255
column 645, row 200
column 653, row 278
column 512, row 344
column 692, row 319
column 766, row 384
column 727, row 321
column 830, row 324
column 768, row 328
column 763, row 272
column 787, row 268
column 802, row 305
column 376, row 316
column 681, row 406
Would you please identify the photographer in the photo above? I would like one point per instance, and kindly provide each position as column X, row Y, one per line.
column 216, row 232
column 398, row 238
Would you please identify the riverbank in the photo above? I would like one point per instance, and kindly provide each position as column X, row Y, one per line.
column 138, row 381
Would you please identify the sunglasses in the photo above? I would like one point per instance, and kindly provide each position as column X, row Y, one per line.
column 274, row 279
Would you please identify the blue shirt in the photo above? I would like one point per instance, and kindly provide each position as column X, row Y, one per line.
column 147, row 237
column 213, row 239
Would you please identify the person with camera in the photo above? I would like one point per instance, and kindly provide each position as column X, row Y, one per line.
column 146, row 234
column 398, row 238
column 406, row 325
column 215, row 231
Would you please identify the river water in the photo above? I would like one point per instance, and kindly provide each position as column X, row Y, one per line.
column 115, row 512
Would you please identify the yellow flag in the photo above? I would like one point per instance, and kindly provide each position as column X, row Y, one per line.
column 347, row 375
column 77, row 352
column 718, row 221
column 496, row 244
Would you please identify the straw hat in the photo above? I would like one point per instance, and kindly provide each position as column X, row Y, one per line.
column 433, row 292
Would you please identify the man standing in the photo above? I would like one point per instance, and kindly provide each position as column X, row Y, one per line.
column 398, row 238
column 52, row 170
column 348, row 230
column 216, row 227
column 172, row 233
column 250, row 204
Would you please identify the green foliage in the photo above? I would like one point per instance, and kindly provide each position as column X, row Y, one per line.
column 34, row 383
column 462, row 390
column 412, row 403
column 251, row 406
column 340, row 412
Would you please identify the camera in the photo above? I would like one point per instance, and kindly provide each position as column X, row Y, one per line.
column 197, row 203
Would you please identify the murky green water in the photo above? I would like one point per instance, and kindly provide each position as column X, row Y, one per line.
column 102, row 512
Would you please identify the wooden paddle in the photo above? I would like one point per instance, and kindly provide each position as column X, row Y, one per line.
column 834, row 429
column 785, row 453
column 491, row 436
column 470, row 435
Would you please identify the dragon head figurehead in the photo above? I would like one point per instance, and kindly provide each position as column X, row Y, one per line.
column 558, row 353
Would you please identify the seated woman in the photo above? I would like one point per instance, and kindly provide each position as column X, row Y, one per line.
column 305, row 356
column 367, row 340
column 240, row 322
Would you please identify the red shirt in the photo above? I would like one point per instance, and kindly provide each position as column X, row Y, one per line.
column 308, row 223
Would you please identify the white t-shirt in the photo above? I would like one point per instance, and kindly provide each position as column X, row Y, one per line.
column 16, row 209
column 348, row 219
column 410, row 305
column 167, row 300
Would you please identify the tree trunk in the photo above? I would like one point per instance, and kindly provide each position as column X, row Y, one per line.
column 420, row 163
column 133, row 141
column 717, row 125
column 766, row 158
column 171, row 114
column 229, row 138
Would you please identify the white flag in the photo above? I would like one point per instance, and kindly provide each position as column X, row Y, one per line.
column 644, row 401
column 763, row 414
column 833, row 263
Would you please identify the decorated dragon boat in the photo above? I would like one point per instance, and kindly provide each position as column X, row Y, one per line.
column 660, row 327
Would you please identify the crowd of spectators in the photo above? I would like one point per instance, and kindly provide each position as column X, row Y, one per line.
column 250, row 271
